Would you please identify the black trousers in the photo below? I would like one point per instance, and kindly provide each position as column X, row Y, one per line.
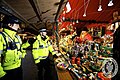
column 14, row 74
column 47, row 70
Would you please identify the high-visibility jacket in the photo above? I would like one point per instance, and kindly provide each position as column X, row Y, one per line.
column 10, row 58
column 41, row 49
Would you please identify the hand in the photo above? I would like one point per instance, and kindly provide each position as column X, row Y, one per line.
column 25, row 40
column 31, row 40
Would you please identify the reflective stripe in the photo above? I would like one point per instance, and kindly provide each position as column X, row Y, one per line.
column 18, row 37
column 10, row 48
column 41, row 47
column 35, row 48
column 41, row 57
column 17, row 42
column 1, row 51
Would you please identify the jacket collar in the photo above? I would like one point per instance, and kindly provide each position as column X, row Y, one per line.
column 10, row 32
column 39, row 38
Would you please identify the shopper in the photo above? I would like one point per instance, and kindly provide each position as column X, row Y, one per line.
column 43, row 53
column 116, row 51
column 85, row 36
column 11, row 50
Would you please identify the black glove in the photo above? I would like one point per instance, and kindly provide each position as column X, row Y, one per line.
column 25, row 40
column 31, row 40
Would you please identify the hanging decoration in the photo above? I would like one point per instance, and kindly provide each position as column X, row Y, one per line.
column 68, row 7
column 85, row 7
column 77, row 18
column 100, row 6
column 77, row 21
column 110, row 3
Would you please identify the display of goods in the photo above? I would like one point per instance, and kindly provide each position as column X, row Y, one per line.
column 62, row 65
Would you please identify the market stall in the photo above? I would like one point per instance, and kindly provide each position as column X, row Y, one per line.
column 85, row 59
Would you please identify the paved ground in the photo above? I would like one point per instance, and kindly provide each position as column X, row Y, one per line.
column 30, row 70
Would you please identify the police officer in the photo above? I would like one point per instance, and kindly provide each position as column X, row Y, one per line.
column 11, row 50
column 42, row 49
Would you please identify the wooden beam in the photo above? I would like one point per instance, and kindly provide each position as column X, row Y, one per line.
column 35, row 9
column 4, row 6
column 61, row 6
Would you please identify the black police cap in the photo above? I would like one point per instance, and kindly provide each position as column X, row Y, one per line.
column 10, row 19
column 43, row 30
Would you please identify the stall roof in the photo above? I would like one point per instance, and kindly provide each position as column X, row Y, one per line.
column 90, row 7
column 38, row 12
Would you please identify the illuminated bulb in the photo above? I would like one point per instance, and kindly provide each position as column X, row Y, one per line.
column 63, row 18
column 100, row 8
column 70, row 24
column 84, row 15
column 63, row 12
column 58, row 20
column 73, row 22
column 77, row 21
column 110, row 3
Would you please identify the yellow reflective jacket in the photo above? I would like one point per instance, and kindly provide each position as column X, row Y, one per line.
column 10, row 59
column 41, row 49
